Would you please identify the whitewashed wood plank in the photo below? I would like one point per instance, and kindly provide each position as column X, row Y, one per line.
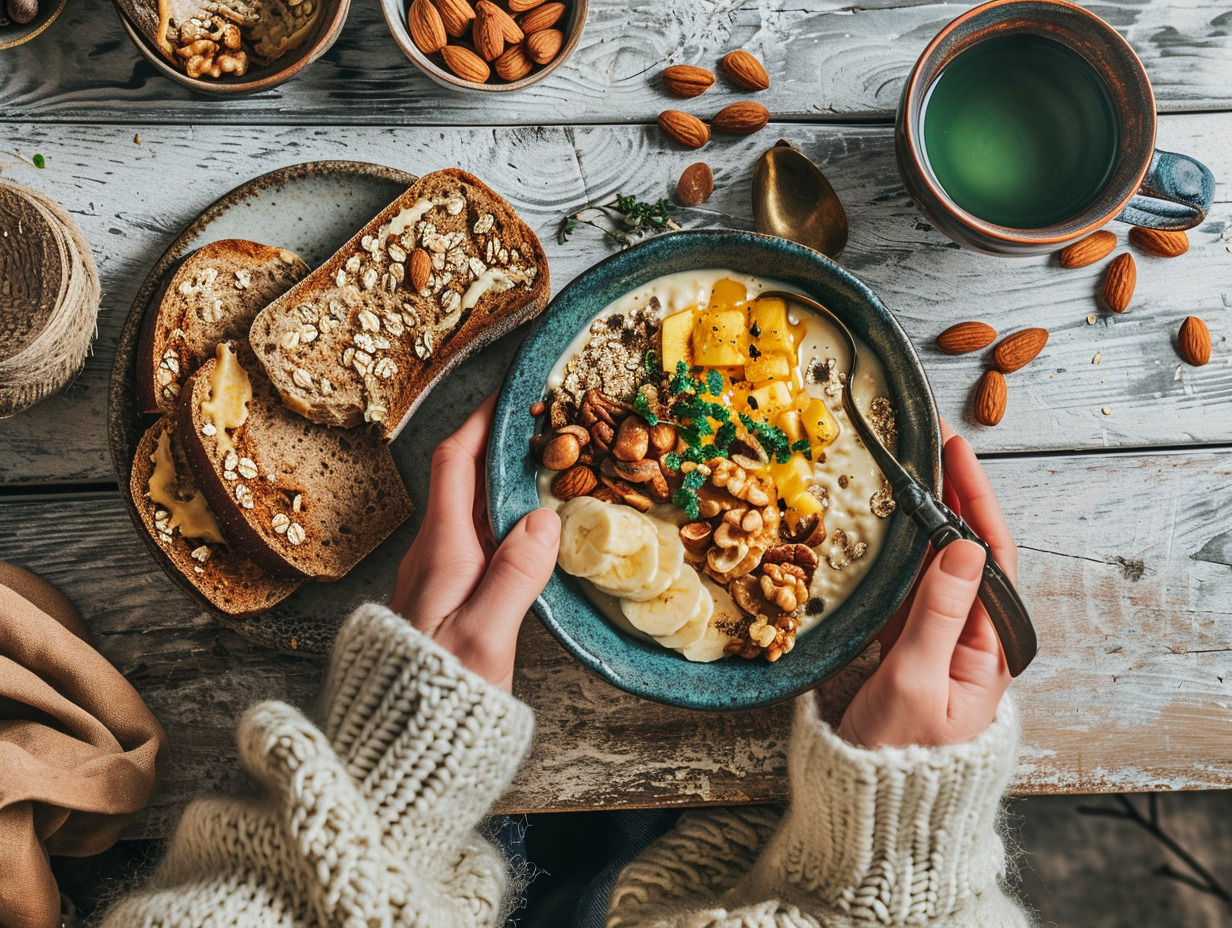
column 827, row 59
column 132, row 200
column 1126, row 564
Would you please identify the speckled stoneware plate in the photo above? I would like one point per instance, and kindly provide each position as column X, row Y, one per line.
column 644, row 668
column 311, row 209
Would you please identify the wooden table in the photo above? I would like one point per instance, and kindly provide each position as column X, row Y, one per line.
column 1121, row 517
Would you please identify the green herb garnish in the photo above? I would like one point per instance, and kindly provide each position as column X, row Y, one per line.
column 803, row 447
column 714, row 382
column 622, row 220
column 642, row 405
column 39, row 162
column 651, row 363
column 672, row 461
column 683, row 381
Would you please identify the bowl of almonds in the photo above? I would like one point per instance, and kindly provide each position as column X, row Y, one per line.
column 486, row 45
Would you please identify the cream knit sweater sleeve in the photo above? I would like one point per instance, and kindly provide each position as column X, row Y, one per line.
column 367, row 820
column 889, row 837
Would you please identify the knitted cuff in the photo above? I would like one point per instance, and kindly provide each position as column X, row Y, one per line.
column 895, row 835
column 416, row 729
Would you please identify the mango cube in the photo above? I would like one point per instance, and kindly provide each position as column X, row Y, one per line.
column 819, row 423
column 677, row 339
column 767, row 367
column 791, row 423
column 769, row 327
column 728, row 293
column 719, row 338
column 771, row 398
column 805, row 504
column 792, row 478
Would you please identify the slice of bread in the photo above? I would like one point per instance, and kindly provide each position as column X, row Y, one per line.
column 188, row 535
column 354, row 342
column 300, row 499
column 209, row 297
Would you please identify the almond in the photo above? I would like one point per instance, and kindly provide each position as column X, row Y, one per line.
column 456, row 15
column 541, row 17
column 521, row 6
column 1193, row 342
column 466, row 64
column 1088, row 250
column 695, row 184
column 1019, row 350
column 990, row 398
column 1159, row 243
column 686, row 80
column 576, row 481
column 487, row 34
column 743, row 118
column 1119, row 282
column 427, row 30
column 509, row 29
column 544, row 45
column 513, row 65
column 745, row 71
column 420, row 270
column 688, row 130
column 966, row 337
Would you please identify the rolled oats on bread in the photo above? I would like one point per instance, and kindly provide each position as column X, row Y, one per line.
column 355, row 343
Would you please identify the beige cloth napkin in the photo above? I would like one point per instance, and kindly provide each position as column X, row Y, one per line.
column 79, row 750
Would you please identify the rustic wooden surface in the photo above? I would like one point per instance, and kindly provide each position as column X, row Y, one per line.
column 827, row 60
column 1126, row 556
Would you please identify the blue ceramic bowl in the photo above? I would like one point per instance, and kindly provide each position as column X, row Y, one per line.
column 647, row 669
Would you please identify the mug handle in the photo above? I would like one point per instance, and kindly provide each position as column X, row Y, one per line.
column 1176, row 194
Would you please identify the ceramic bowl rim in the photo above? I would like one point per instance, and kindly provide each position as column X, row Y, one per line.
column 540, row 349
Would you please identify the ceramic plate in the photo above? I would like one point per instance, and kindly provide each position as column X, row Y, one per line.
column 15, row 34
column 644, row 668
column 311, row 209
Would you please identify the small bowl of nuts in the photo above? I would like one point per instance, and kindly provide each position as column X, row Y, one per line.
column 22, row 20
column 233, row 47
column 492, row 45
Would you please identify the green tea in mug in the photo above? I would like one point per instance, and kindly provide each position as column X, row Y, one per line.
column 1020, row 131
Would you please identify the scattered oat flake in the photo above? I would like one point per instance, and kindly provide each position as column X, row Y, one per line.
column 1180, row 369
column 1098, row 357
column 137, row 138
column 1091, row 319
column 1106, row 411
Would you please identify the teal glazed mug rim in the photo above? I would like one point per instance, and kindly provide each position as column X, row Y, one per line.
column 1147, row 187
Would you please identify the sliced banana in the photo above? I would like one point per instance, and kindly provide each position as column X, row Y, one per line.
column 628, row 574
column 594, row 535
column 671, row 610
column 710, row 647
column 671, row 559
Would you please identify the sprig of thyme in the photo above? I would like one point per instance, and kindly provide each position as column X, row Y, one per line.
column 622, row 221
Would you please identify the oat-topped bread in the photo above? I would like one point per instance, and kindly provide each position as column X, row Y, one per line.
column 444, row 270
column 209, row 297
column 300, row 499
column 175, row 513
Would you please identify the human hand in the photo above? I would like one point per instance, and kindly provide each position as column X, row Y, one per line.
column 942, row 673
column 454, row 584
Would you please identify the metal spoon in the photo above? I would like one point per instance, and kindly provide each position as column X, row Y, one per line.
column 793, row 200
column 941, row 525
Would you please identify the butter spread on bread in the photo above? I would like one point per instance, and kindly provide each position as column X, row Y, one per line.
column 360, row 340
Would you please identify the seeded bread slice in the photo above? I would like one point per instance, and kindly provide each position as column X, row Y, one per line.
column 209, row 297
column 226, row 578
column 356, row 342
column 300, row 499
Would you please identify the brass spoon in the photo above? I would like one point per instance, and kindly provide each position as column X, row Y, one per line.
column 793, row 200
column 941, row 525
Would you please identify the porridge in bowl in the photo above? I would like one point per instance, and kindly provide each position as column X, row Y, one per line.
column 713, row 496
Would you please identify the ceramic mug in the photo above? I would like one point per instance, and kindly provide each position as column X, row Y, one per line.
column 1140, row 185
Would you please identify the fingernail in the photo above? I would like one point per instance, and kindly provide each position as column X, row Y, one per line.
column 543, row 525
column 963, row 560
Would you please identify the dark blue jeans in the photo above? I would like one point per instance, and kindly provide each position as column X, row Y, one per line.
column 577, row 858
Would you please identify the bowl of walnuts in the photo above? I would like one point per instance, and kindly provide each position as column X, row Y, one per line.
column 490, row 45
column 22, row 20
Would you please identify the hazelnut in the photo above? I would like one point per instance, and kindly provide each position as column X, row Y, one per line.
column 561, row 452
column 632, row 440
column 662, row 438
column 696, row 537
column 536, row 409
